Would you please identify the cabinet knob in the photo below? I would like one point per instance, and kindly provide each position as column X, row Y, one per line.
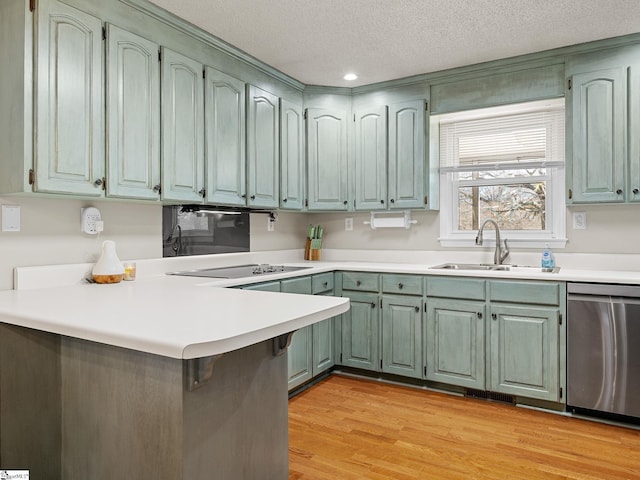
column 325, row 284
column 284, row 200
column 358, row 283
column 392, row 201
column 373, row 304
column 382, row 202
column 157, row 188
column 635, row 191
column 417, row 309
column 494, row 316
column 619, row 191
column 202, row 192
column 244, row 195
column 479, row 314
column 400, row 286
column 98, row 182
column 253, row 197
column 345, row 202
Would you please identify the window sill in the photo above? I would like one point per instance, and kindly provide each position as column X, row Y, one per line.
column 469, row 240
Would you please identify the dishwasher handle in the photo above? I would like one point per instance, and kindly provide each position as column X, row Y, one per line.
column 603, row 289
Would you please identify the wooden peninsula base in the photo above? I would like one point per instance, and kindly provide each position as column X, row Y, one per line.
column 73, row 409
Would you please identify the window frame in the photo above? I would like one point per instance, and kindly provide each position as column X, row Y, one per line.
column 555, row 209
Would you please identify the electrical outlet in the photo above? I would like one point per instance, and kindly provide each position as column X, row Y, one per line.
column 10, row 218
column 348, row 224
column 91, row 221
column 271, row 223
column 579, row 220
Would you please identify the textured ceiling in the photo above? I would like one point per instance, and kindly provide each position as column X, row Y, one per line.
column 318, row 41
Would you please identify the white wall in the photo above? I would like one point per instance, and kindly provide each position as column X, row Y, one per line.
column 50, row 232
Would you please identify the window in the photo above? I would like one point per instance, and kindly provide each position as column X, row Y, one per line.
column 506, row 164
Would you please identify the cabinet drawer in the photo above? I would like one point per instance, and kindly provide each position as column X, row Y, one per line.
column 456, row 287
column 362, row 282
column 296, row 285
column 543, row 293
column 322, row 283
column 402, row 284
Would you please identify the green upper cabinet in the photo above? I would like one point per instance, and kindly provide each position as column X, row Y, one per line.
column 263, row 149
column 225, row 138
column 133, row 116
column 370, row 162
column 407, row 160
column 327, row 186
column 524, row 351
column 182, row 128
column 603, row 117
column 599, row 125
column 69, row 141
column 291, row 156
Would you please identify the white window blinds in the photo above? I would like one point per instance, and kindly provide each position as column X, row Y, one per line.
column 533, row 137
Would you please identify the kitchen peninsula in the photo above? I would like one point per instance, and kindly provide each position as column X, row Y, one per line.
column 166, row 379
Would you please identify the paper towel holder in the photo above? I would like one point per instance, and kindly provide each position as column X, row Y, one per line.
column 384, row 220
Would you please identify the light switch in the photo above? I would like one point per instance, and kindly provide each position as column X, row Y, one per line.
column 10, row 218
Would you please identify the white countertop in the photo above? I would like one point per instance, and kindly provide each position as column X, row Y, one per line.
column 190, row 317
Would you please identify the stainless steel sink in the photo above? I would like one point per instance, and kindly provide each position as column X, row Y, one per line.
column 492, row 267
column 470, row 266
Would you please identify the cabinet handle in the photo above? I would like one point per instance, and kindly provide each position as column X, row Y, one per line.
column 98, row 182
column 392, row 201
column 400, row 286
column 479, row 315
column 358, row 283
column 202, row 192
column 635, row 191
column 325, row 284
column 157, row 188
column 417, row 309
column 494, row 316
column 619, row 191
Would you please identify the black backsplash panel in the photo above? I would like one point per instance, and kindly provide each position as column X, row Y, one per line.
column 202, row 230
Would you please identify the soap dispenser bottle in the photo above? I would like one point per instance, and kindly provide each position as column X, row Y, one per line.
column 547, row 261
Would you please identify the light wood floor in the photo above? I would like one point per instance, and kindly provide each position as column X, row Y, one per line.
column 345, row 428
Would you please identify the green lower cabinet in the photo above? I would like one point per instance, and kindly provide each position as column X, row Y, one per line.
column 455, row 342
column 299, row 359
column 525, row 351
column 360, row 332
column 322, row 351
column 402, row 335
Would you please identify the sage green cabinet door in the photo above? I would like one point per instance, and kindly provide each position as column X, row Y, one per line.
column 371, row 158
column 182, row 128
column 299, row 358
column 360, row 332
column 407, row 138
column 633, row 187
column 323, row 351
column 291, row 156
column 454, row 339
column 263, row 149
column 327, row 186
column 225, row 139
column 402, row 335
column 524, row 351
column 263, row 287
column 133, row 116
column 599, row 135
column 69, row 150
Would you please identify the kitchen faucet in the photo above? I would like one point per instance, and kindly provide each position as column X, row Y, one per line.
column 500, row 255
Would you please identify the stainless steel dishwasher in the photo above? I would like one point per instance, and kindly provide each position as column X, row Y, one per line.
column 603, row 348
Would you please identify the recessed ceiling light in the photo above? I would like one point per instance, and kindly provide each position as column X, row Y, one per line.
column 350, row 76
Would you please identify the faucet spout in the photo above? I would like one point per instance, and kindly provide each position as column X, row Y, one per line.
column 500, row 254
